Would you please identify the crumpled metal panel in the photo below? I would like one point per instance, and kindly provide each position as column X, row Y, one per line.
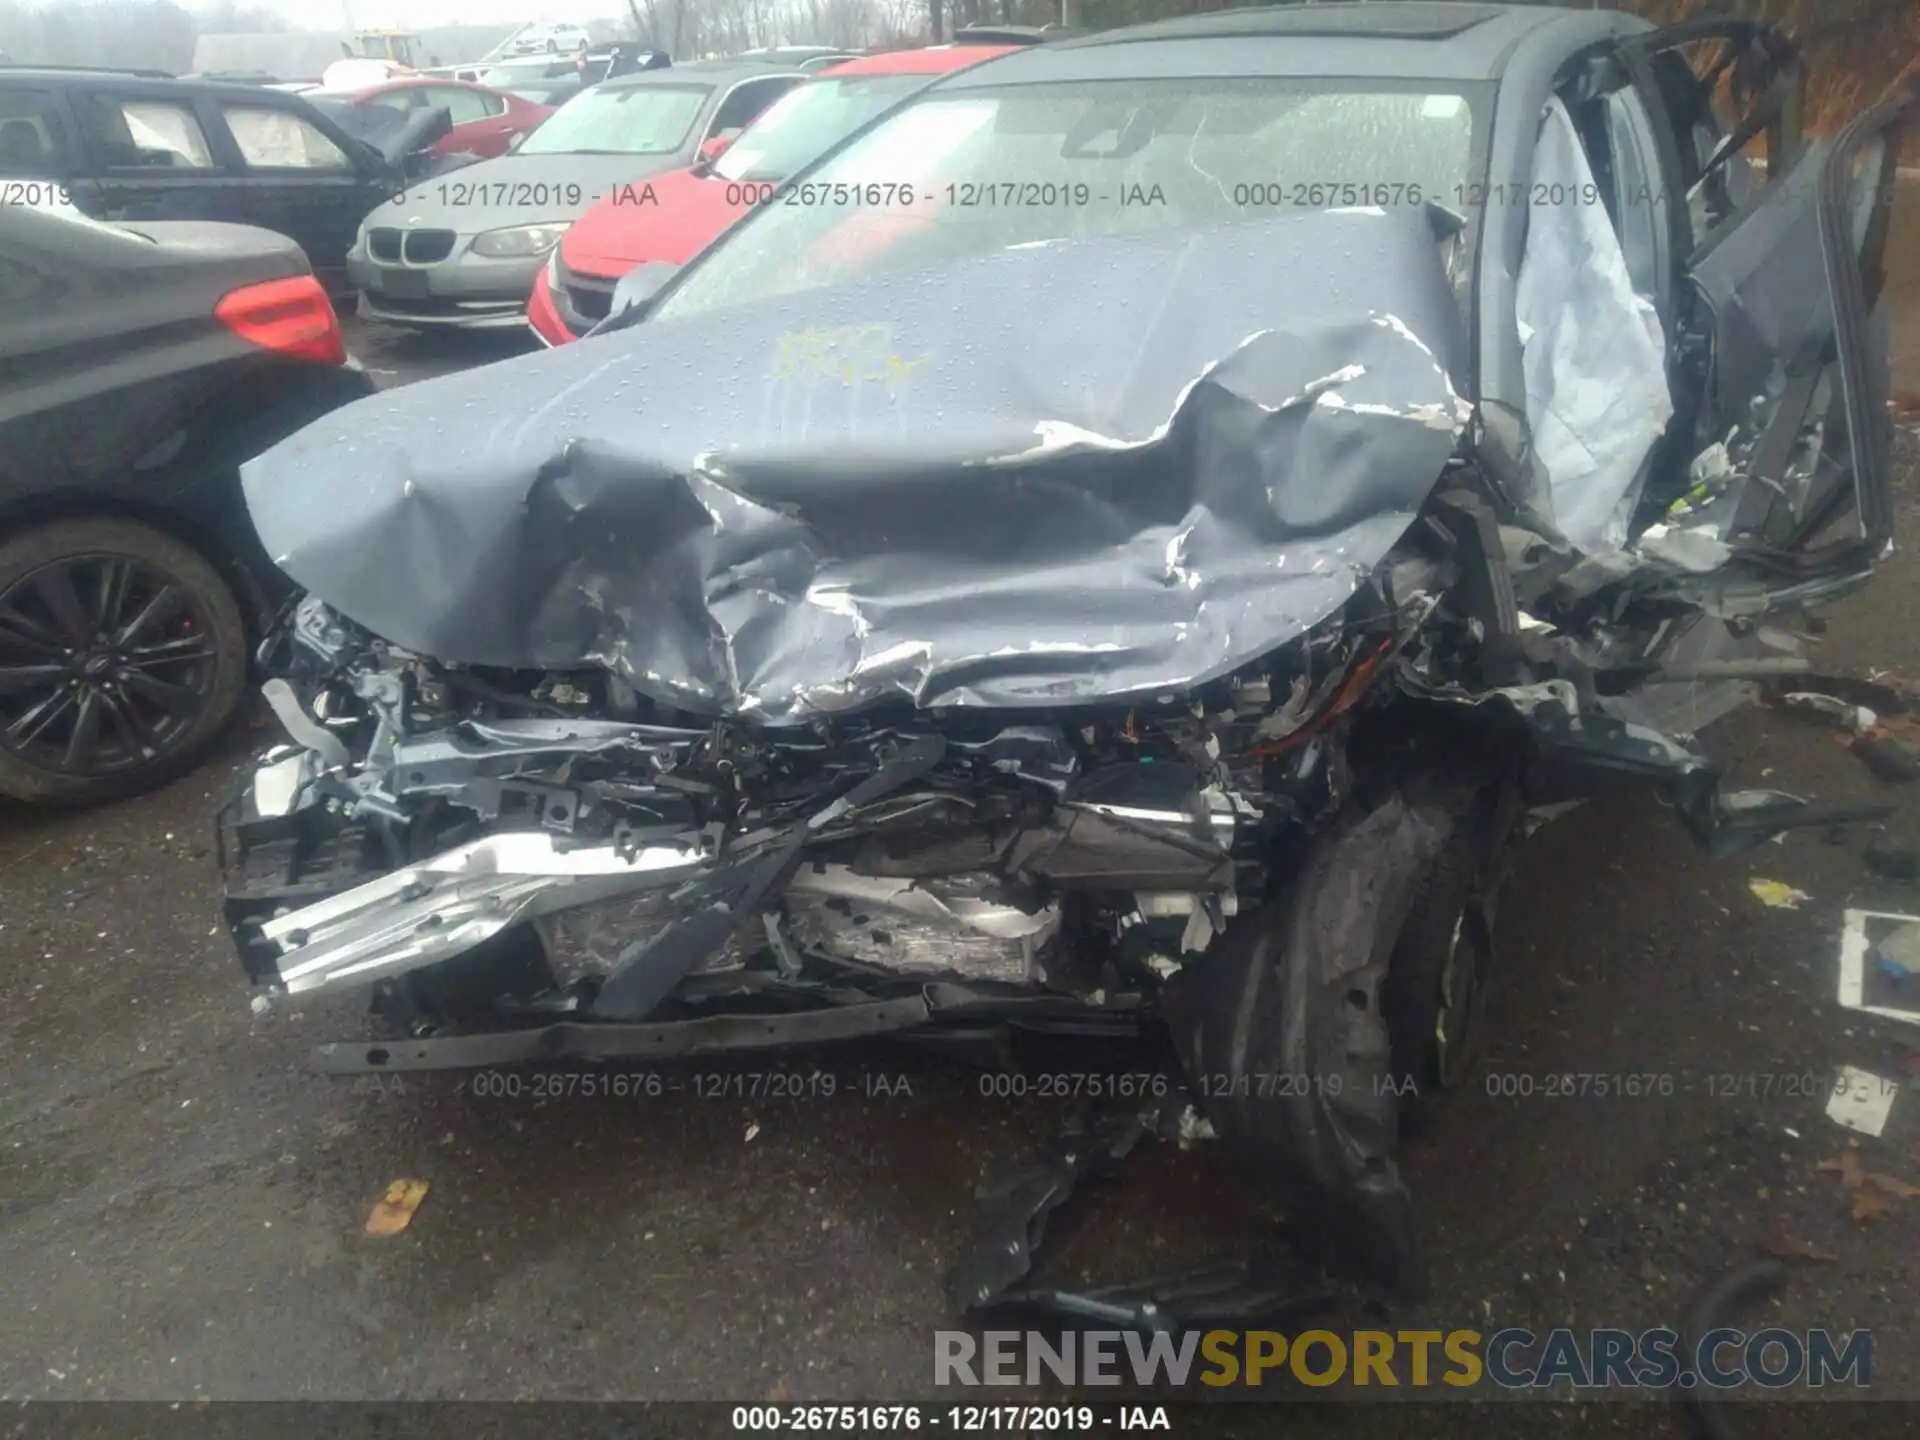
column 443, row 906
column 1050, row 475
column 935, row 926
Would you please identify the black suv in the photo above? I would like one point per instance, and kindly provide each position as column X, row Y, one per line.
column 140, row 365
column 140, row 145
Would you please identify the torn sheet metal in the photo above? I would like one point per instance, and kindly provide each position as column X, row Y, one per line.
column 413, row 916
column 1045, row 495
column 919, row 927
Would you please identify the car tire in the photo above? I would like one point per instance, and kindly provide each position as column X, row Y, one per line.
column 1434, row 997
column 123, row 655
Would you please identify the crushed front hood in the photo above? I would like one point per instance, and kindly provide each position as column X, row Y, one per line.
column 1045, row 476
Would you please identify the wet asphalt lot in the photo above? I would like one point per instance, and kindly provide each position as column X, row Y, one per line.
column 181, row 1201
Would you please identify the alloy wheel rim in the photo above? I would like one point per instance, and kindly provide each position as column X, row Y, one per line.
column 106, row 661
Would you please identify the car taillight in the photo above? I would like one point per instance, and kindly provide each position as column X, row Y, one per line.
column 291, row 317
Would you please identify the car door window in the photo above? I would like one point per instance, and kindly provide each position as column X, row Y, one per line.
column 137, row 133
column 33, row 140
column 462, row 106
column 745, row 102
column 273, row 139
column 1733, row 93
column 1636, row 198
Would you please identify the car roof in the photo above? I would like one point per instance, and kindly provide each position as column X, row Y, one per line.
column 1387, row 38
column 412, row 82
column 151, row 81
column 520, row 62
column 713, row 72
column 802, row 52
column 928, row 60
column 53, row 74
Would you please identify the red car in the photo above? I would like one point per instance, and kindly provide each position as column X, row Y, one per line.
column 484, row 120
column 674, row 217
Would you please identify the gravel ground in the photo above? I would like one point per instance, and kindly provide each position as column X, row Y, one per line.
column 181, row 1200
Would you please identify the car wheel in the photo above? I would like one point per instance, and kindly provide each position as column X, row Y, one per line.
column 122, row 657
column 1434, row 998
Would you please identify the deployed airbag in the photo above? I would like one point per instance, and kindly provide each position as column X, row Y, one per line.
column 1052, row 474
column 1594, row 350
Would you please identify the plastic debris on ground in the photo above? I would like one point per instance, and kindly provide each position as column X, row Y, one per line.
column 1879, row 957
column 393, row 1211
column 1777, row 894
column 1861, row 1100
column 1886, row 746
column 1857, row 718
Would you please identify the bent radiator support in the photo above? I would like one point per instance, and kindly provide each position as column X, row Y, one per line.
column 444, row 906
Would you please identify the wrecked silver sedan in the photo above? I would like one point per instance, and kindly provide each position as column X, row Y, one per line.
column 1130, row 539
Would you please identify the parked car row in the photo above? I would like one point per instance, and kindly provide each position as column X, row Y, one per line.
column 683, row 209
column 464, row 250
column 138, row 145
column 717, row 137
column 314, row 165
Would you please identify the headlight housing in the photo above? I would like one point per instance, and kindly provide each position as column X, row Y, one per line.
column 518, row 241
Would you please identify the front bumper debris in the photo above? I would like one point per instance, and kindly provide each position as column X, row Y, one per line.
column 719, row 1034
column 424, row 913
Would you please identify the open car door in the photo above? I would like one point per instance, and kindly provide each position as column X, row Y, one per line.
column 1783, row 422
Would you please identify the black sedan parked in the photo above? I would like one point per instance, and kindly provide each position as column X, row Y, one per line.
column 120, row 145
column 139, row 365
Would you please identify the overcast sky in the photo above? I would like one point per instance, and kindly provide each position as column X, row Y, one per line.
column 413, row 14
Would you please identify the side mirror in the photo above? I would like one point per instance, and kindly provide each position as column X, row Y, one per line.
column 713, row 149
column 635, row 293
